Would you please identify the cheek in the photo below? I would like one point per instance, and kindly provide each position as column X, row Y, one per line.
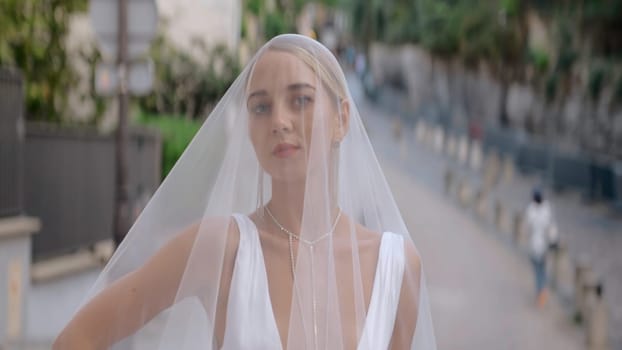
column 308, row 129
column 323, row 128
column 255, row 136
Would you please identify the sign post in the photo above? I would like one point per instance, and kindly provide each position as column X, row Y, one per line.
column 124, row 29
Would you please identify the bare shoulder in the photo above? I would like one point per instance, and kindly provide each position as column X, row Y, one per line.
column 208, row 227
column 413, row 258
column 366, row 235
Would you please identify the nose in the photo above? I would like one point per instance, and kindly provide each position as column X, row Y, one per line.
column 281, row 122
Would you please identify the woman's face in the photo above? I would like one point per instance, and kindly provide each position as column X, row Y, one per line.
column 284, row 96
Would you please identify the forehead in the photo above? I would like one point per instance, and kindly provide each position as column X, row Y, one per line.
column 276, row 70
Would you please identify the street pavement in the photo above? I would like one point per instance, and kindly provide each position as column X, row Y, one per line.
column 51, row 304
column 481, row 293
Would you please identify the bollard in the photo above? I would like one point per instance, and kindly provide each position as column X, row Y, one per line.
column 463, row 150
column 480, row 203
column 507, row 171
column 557, row 254
column 475, row 155
column 498, row 215
column 439, row 139
column 517, row 224
column 397, row 128
column 597, row 317
column 103, row 251
column 464, row 193
column 459, row 188
column 562, row 270
column 429, row 136
column 420, row 131
column 491, row 170
column 581, row 269
column 434, row 138
column 449, row 178
column 504, row 220
column 451, row 146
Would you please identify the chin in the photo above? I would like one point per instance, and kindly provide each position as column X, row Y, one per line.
column 289, row 174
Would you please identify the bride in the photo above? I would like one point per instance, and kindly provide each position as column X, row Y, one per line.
column 275, row 230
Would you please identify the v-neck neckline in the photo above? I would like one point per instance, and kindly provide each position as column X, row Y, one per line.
column 269, row 298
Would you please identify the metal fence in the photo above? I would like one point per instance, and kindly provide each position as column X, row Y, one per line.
column 69, row 184
column 594, row 178
column 11, row 142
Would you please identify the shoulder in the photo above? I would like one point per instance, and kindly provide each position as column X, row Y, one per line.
column 374, row 238
column 367, row 239
column 365, row 234
column 413, row 259
column 208, row 229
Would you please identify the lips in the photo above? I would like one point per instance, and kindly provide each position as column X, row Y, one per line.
column 284, row 150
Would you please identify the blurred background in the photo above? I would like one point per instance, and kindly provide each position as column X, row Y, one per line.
column 470, row 105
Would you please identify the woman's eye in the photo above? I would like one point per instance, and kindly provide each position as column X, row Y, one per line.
column 302, row 101
column 261, row 108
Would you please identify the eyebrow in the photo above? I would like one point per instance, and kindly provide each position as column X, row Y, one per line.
column 291, row 87
column 299, row 86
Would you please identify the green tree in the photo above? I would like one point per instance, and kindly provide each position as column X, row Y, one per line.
column 32, row 38
column 187, row 85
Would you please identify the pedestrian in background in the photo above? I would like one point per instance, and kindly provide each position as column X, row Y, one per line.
column 543, row 235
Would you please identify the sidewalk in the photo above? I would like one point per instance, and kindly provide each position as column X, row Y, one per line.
column 51, row 304
column 590, row 231
column 481, row 294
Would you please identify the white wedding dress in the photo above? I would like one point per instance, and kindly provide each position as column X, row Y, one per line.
column 250, row 320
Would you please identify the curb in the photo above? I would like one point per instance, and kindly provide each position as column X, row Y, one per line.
column 62, row 266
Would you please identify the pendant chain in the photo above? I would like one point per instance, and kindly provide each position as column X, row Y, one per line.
column 291, row 237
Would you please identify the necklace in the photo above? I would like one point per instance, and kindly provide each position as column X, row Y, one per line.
column 291, row 236
column 297, row 237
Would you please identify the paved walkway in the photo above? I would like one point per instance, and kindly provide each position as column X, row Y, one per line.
column 51, row 304
column 481, row 293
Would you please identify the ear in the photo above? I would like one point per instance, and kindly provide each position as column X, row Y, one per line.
column 342, row 121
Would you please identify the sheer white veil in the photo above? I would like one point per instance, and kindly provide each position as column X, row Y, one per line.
column 288, row 137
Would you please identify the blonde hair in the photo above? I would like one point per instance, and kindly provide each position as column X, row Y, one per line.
column 321, row 62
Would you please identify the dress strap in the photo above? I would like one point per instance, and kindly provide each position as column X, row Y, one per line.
column 385, row 295
column 250, row 319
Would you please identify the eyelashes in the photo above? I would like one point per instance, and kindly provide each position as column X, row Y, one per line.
column 295, row 104
column 260, row 109
column 302, row 101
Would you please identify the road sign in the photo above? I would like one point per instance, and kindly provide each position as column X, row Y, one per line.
column 106, row 79
column 139, row 82
column 142, row 24
column 140, row 77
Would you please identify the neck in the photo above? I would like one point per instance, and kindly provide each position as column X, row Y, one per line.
column 289, row 199
column 288, row 202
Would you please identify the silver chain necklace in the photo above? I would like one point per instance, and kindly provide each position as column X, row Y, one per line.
column 291, row 237
column 297, row 237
